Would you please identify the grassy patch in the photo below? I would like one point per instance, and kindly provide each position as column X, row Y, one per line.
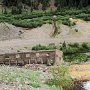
column 19, row 75
column 76, row 58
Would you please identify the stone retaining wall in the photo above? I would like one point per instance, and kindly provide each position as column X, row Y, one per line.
column 49, row 57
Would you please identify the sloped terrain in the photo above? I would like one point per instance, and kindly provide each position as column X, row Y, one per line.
column 8, row 31
column 67, row 34
column 16, row 38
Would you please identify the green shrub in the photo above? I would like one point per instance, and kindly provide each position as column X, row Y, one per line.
column 64, row 44
column 74, row 45
column 27, row 23
column 61, row 77
column 68, row 22
column 76, row 58
column 72, row 48
column 39, row 47
column 42, row 47
column 84, row 16
column 5, row 19
column 85, row 46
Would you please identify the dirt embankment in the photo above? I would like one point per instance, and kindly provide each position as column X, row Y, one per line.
column 9, row 32
column 15, row 38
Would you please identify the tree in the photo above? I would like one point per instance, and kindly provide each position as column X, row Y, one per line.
column 72, row 3
column 45, row 3
column 4, row 4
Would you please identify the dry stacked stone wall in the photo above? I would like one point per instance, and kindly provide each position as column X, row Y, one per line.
column 48, row 57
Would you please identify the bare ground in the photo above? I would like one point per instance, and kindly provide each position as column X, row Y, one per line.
column 19, row 38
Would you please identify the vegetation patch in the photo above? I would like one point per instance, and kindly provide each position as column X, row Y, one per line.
column 35, row 19
column 61, row 78
column 19, row 76
column 76, row 58
column 42, row 47
column 73, row 52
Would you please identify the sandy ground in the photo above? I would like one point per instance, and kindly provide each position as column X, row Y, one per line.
column 80, row 72
column 42, row 35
